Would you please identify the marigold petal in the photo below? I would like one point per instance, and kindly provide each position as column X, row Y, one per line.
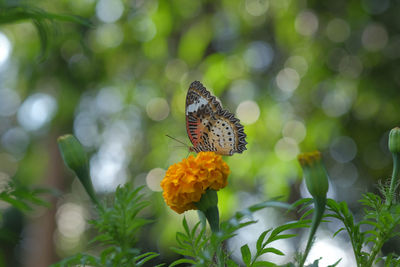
column 185, row 182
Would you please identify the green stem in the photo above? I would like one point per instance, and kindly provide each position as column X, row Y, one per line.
column 212, row 216
column 318, row 213
column 208, row 205
column 374, row 252
column 395, row 177
column 202, row 218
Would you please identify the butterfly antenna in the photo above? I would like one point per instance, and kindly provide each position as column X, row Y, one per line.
column 179, row 141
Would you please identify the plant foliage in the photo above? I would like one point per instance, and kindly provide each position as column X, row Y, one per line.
column 22, row 197
column 372, row 232
column 118, row 226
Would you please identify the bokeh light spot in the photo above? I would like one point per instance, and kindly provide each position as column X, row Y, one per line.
column 109, row 35
column 36, row 111
column 143, row 28
column 154, row 178
column 344, row 174
column 343, row 149
column 85, row 129
column 175, row 69
column 248, row 112
column 71, row 220
column 374, row 37
column 350, row 66
column 338, row 30
column 241, row 90
column 257, row 7
column 337, row 102
column 5, row 48
column 297, row 63
column 375, row 6
column 109, row 10
column 306, row 23
column 295, row 130
column 288, row 80
column 15, row 141
column 286, row 149
column 157, row 109
column 107, row 172
column 109, row 100
column 259, row 56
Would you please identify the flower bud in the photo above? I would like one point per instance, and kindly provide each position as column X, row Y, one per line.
column 314, row 174
column 394, row 140
column 75, row 158
column 394, row 147
column 317, row 184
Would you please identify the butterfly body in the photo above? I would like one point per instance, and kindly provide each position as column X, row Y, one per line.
column 209, row 126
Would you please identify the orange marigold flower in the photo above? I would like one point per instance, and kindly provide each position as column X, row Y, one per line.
column 185, row 182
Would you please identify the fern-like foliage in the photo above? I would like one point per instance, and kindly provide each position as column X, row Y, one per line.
column 265, row 239
column 381, row 221
column 202, row 249
column 118, row 226
column 22, row 197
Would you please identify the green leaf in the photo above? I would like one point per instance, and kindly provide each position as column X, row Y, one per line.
column 183, row 252
column 263, row 264
column 375, row 224
column 246, row 254
column 335, row 264
column 338, row 231
column 307, row 213
column 231, row 263
column 199, row 237
column 300, row 202
column 145, row 258
column 182, row 239
column 260, row 240
column 15, row 202
column 186, row 226
column 193, row 232
column 272, row 250
column 292, row 225
column 182, row 261
column 305, row 206
column 277, row 237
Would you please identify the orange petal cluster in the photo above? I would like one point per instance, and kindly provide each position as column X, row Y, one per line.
column 185, row 182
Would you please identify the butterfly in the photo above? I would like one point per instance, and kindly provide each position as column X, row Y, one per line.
column 209, row 126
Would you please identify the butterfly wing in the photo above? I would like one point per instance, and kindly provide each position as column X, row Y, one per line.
column 200, row 105
column 209, row 127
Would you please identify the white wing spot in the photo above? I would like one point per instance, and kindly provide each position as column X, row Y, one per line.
column 195, row 106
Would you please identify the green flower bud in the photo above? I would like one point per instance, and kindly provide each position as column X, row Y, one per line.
column 317, row 184
column 75, row 158
column 208, row 205
column 394, row 147
column 315, row 174
column 394, row 140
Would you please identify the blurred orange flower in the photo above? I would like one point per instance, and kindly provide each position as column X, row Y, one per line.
column 185, row 182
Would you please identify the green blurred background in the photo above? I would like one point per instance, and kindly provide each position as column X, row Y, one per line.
column 300, row 75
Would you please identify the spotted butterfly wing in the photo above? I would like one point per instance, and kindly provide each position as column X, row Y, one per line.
column 209, row 126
